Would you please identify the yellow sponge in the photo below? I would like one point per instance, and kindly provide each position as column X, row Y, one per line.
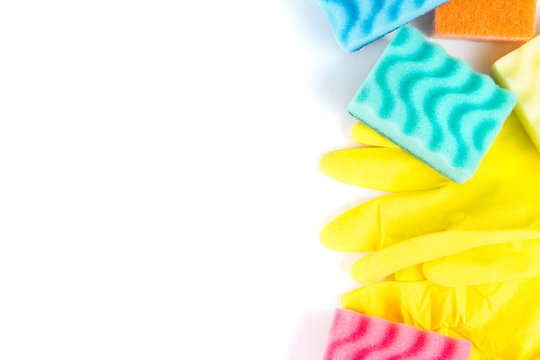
column 501, row 20
column 519, row 72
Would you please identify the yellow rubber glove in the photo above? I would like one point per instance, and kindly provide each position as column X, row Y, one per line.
column 434, row 221
column 502, row 320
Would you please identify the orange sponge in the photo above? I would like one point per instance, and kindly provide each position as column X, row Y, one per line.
column 502, row 20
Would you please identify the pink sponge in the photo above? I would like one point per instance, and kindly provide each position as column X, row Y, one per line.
column 355, row 336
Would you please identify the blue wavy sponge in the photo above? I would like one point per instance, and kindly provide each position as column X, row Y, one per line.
column 356, row 23
column 432, row 105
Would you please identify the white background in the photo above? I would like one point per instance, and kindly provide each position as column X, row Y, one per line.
column 160, row 196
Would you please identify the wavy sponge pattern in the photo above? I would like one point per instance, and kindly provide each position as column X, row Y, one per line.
column 432, row 105
column 503, row 20
column 356, row 23
column 519, row 71
column 355, row 336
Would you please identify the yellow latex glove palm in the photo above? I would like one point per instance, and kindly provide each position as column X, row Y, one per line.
column 502, row 320
column 482, row 231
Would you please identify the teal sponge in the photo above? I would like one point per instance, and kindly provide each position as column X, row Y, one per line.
column 432, row 105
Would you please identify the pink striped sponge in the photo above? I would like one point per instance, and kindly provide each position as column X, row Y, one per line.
column 354, row 336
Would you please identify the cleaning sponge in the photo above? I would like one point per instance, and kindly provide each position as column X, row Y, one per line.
column 433, row 106
column 356, row 336
column 504, row 20
column 519, row 71
column 356, row 23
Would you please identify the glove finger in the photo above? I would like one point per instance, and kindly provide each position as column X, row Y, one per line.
column 389, row 219
column 428, row 247
column 367, row 136
column 412, row 273
column 486, row 264
column 383, row 169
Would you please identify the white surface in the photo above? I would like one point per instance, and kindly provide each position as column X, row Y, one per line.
column 159, row 193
